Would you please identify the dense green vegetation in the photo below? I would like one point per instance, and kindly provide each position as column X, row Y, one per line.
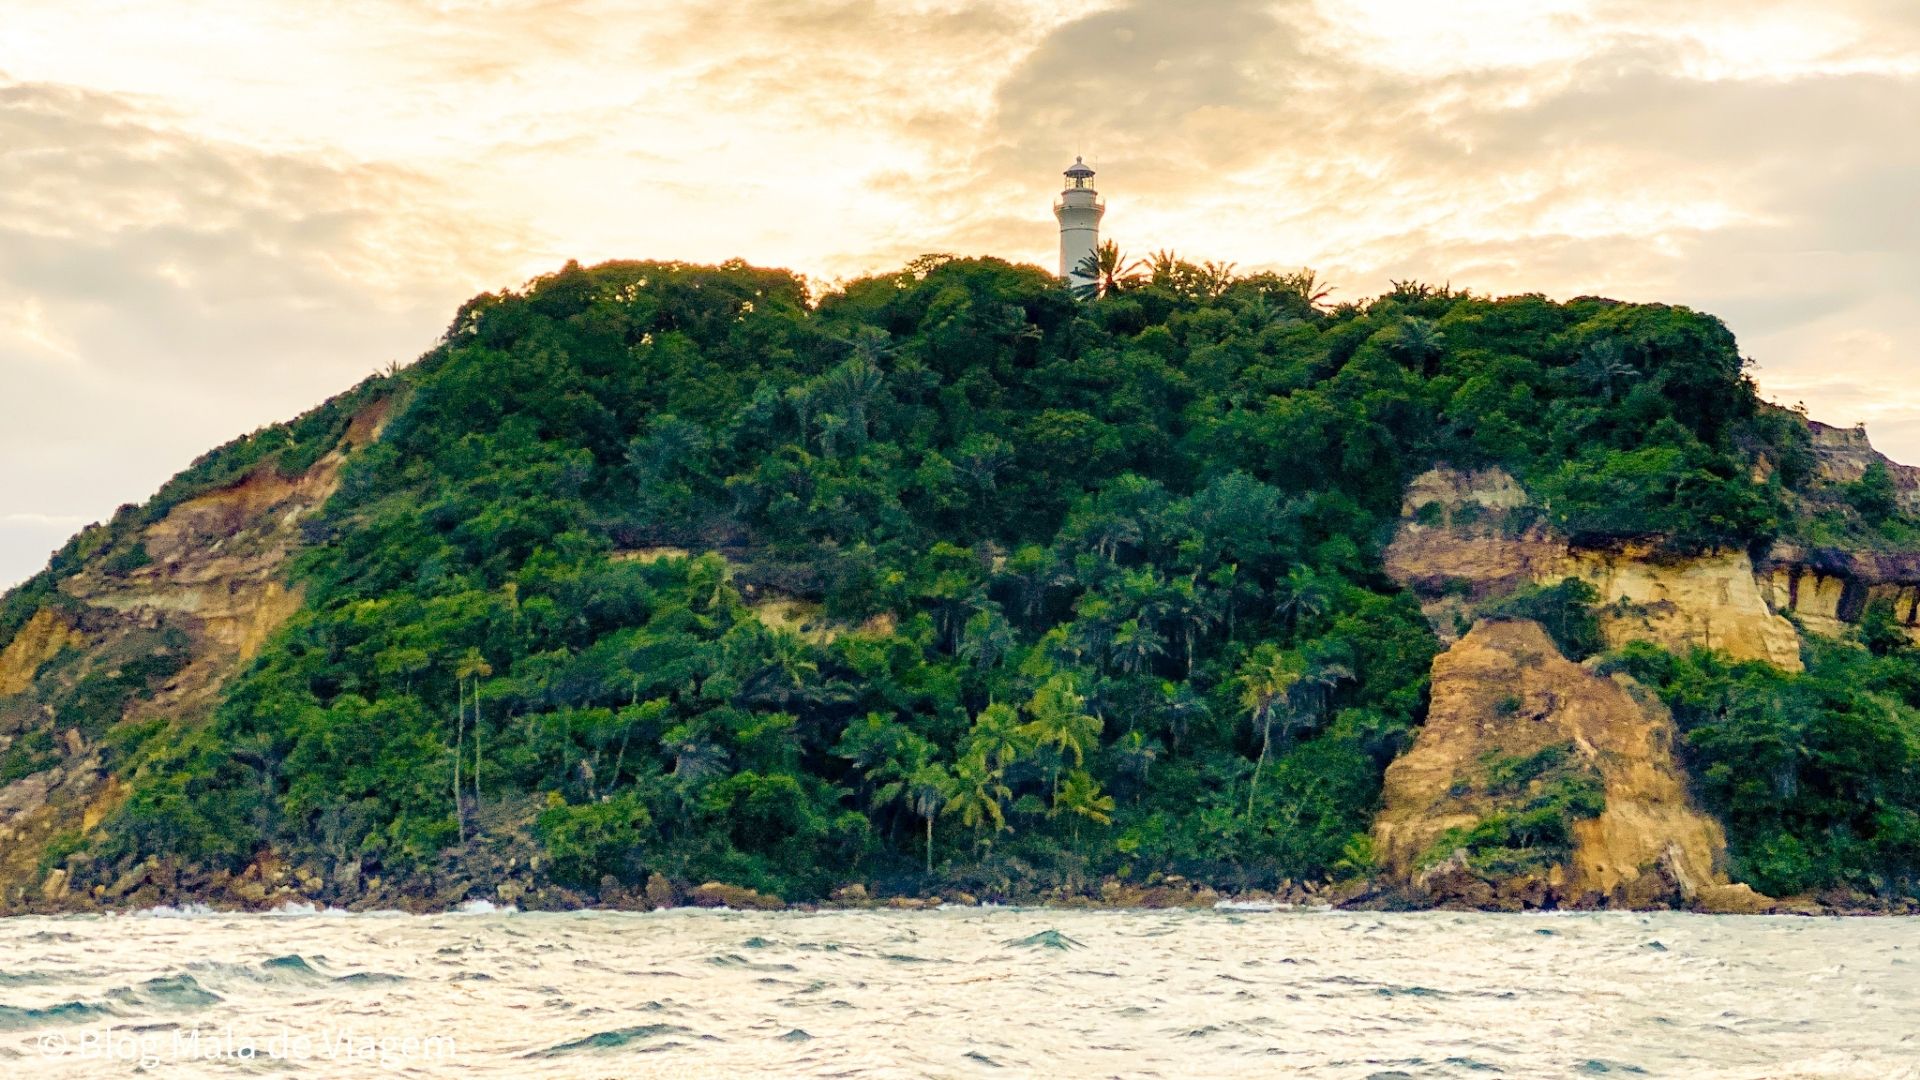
column 1816, row 775
column 1090, row 586
column 1534, row 803
column 1565, row 609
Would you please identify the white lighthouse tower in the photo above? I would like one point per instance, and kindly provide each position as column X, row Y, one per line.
column 1079, row 210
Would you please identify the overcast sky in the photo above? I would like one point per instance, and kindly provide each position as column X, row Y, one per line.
column 213, row 213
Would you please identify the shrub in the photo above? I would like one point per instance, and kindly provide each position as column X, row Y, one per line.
column 595, row 840
column 1565, row 609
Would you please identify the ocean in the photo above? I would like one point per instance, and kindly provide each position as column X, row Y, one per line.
column 958, row 992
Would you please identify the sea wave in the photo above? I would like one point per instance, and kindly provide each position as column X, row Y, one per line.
column 972, row 992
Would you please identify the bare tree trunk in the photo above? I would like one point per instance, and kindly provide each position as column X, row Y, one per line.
column 476, row 752
column 621, row 756
column 459, row 742
column 1253, row 787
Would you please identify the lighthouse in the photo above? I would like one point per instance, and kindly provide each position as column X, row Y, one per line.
column 1079, row 210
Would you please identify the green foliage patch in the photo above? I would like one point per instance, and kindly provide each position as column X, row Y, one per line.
column 1816, row 775
column 1536, row 799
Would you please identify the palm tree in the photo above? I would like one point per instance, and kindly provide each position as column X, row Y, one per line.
column 926, row 791
column 1603, row 368
column 1215, row 278
column 1135, row 757
column 694, row 754
column 846, row 395
column 1303, row 595
column 1319, row 681
column 1267, row 678
column 1307, row 285
column 1081, row 797
column 1032, row 572
column 470, row 669
column 1419, row 342
column 891, row 756
column 1261, row 313
column 785, row 669
column 1105, row 271
column 1182, row 707
column 1058, row 719
column 978, row 795
column 987, row 639
column 1111, row 532
column 1135, row 646
column 997, row 737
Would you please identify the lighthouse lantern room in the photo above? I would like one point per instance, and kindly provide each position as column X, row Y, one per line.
column 1079, row 210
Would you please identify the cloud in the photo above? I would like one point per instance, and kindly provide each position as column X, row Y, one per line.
column 161, row 293
column 211, row 222
column 1644, row 155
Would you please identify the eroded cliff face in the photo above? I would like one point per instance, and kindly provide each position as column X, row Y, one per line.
column 156, row 642
column 39, row 641
column 1465, row 538
column 1713, row 601
column 1843, row 455
column 1503, row 696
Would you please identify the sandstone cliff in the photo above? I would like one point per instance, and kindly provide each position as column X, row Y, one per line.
column 147, row 640
column 1468, row 537
column 1503, row 697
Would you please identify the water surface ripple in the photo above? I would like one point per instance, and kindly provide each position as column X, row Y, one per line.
column 959, row 993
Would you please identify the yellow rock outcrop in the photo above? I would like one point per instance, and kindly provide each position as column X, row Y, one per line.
column 1713, row 601
column 216, row 571
column 1504, row 690
column 37, row 642
column 1466, row 537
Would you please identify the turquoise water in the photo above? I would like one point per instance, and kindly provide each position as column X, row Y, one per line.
column 959, row 992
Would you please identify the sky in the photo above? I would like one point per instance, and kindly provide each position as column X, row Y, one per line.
column 215, row 213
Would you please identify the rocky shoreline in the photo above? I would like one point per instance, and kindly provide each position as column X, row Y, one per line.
column 265, row 888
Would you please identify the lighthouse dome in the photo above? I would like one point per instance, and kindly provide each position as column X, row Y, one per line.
column 1079, row 168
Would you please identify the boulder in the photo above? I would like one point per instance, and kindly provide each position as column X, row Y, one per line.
column 1736, row 899
column 660, row 892
column 855, row 893
column 715, row 894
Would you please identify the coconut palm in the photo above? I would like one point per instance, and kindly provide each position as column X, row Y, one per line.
column 1267, row 679
column 978, row 795
column 1418, row 342
column 1135, row 755
column 987, row 639
column 1081, row 798
column 1303, row 595
column 1181, row 708
column 848, row 394
column 1603, row 368
column 925, row 792
column 1105, row 271
column 1215, row 278
column 695, row 755
column 1319, row 681
column 467, row 673
column 1135, row 646
column 997, row 736
column 1058, row 720
column 1306, row 285
column 1031, row 571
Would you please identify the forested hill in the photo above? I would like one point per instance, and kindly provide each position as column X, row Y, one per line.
column 946, row 579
